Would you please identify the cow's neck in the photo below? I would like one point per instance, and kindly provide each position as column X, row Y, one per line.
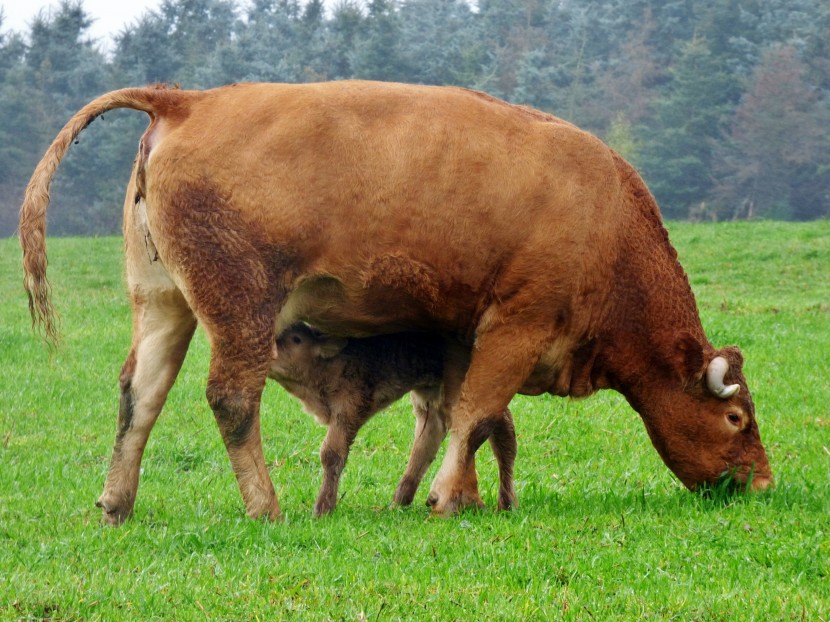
column 651, row 311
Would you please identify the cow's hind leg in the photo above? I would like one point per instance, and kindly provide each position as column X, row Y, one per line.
column 238, row 369
column 162, row 328
column 430, row 430
column 234, row 278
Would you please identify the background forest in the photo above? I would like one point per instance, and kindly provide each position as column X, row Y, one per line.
column 723, row 105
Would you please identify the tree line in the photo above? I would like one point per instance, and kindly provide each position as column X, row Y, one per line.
column 721, row 104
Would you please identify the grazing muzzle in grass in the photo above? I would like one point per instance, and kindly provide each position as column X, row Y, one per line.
column 733, row 482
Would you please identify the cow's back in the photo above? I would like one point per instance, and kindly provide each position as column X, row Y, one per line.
column 392, row 206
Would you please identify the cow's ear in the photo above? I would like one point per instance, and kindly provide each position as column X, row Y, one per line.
column 734, row 355
column 329, row 347
column 689, row 361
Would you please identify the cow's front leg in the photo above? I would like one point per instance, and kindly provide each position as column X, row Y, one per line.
column 162, row 328
column 238, row 370
column 503, row 443
column 456, row 486
column 502, row 359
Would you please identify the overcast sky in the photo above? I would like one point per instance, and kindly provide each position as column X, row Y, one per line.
column 109, row 15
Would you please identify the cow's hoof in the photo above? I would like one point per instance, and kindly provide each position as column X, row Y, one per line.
column 452, row 504
column 270, row 513
column 445, row 505
column 111, row 513
column 470, row 498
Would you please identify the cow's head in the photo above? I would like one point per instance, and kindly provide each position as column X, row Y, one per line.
column 701, row 419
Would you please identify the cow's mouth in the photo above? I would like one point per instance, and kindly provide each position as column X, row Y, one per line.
column 736, row 481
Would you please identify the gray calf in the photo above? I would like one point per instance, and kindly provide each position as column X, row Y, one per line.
column 344, row 382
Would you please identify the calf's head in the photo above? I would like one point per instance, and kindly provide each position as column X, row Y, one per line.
column 704, row 426
column 300, row 349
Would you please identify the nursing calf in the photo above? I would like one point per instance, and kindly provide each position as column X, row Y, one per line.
column 344, row 382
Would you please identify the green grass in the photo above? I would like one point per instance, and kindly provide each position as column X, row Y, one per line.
column 603, row 530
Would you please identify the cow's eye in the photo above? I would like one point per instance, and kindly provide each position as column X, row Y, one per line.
column 295, row 339
column 734, row 418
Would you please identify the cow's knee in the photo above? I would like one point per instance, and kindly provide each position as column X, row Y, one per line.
column 233, row 412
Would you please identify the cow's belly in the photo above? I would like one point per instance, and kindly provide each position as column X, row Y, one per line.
column 351, row 307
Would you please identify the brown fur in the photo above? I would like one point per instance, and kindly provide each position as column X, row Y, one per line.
column 343, row 383
column 366, row 208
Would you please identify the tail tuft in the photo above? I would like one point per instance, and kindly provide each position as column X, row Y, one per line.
column 39, row 289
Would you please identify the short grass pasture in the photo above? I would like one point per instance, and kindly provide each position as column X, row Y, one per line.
column 603, row 530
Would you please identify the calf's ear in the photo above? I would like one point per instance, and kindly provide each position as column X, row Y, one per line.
column 689, row 361
column 330, row 347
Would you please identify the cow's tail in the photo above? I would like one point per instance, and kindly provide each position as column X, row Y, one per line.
column 155, row 101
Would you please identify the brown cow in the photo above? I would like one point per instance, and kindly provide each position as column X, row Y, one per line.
column 367, row 208
column 344, row 382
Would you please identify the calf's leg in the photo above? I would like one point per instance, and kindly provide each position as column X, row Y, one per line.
column 163, row 325
column 503, row 444
column 430, row 430
column 333, row 455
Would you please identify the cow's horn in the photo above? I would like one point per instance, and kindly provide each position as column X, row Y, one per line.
column 714, row 378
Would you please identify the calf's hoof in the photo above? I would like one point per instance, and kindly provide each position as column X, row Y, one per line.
column 508, row 500
column 405, row 493
column 323, row 508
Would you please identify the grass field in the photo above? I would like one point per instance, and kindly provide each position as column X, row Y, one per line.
column 603, row 530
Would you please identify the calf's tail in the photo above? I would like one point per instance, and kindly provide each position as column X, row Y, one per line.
column 155, row 101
